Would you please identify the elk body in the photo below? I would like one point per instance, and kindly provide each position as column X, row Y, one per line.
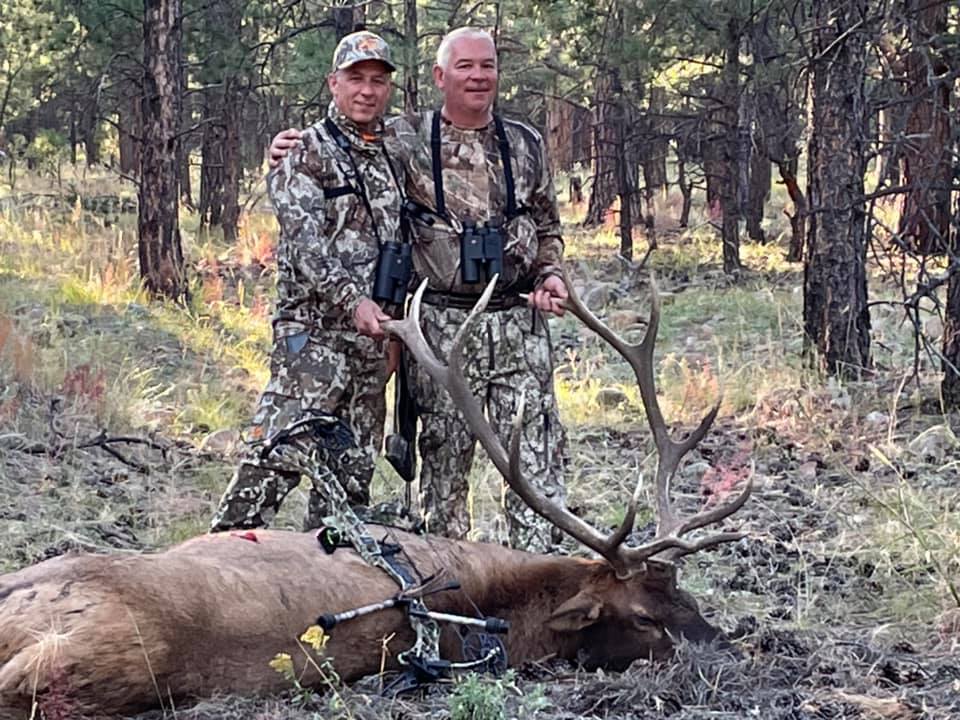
column 116, row 634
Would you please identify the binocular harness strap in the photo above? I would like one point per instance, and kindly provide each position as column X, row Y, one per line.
column 341, row 140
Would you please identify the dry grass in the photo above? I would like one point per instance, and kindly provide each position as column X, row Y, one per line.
column 844, row 592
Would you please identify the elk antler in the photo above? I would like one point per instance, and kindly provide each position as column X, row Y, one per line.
column 669, row 526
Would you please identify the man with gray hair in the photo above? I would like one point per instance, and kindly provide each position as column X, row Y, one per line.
column 473, row 175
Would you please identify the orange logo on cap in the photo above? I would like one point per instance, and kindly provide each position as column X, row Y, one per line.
column 368, row 43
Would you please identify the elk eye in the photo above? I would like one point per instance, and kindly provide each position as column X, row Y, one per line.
column 642, row 621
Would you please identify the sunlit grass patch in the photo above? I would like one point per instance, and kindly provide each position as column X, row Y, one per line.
column 731, row 340
column 211, row 407
column 204, row 336
column 692, row 250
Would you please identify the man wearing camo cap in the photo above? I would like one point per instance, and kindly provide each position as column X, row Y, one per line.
column 337, row 199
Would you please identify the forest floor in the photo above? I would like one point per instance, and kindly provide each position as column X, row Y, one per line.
column 842, row 602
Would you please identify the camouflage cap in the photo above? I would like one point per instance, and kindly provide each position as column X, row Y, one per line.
column 359, row 46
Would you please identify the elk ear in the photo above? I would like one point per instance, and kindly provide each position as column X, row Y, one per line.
column 580, row 611
column 662, row 575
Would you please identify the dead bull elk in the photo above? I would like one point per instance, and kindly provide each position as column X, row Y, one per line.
column 112, row 634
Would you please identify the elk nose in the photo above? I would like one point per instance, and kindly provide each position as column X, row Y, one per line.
column 695, row 629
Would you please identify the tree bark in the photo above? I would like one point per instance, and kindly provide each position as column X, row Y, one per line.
column 777, row 139
column 655, row 167
column 411, row 40
column 130, row 122
column 211, row 161
column 232, row 166
column 655, row 148
column 686, row 190
column 626, row 189
column 835, row 314
column 798, row 221
column 614, row 152
column 161, row 255
column 347, row 19
column 88, row 132
column 221, row 150
column 758, row 194
column 732, row 187
column 568, row 133
column 927, row 155
column 184, row 121
column 604, row 188
column 950, row 387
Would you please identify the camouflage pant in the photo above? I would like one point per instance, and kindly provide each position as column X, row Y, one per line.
column 340, row 373
column 507, row 354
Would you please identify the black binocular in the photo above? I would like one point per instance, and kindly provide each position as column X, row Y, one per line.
column 393, row 272
column 481, row 251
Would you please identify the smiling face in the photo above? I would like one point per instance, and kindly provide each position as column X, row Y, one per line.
column 468, row 80
column 361, row 91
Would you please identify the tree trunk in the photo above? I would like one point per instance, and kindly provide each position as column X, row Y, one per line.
column 616, row 152
column 232, row 167
column 758, row 195
column 211, row 161
column 732, row 188
column 161, row 255
column 655, row 169
column 626, row 189
column 927, row 154
column 565, row 133
column 950, row 387
column 888, row 158
column 798, row 221
column 835, row 314
column 411, row 64
column 777, row 136
column 347, row 19
column 73, row 138
column 183, row 174
column 714, row 170
column 686, row 190
column 184, row 122
column 130, row 122
column 605, row 151
column 88, row 132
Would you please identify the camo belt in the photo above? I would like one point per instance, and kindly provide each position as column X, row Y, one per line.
column 298, row 447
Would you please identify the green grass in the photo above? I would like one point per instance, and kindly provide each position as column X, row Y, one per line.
column 69, row 284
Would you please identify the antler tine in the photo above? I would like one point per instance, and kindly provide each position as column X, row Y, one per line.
column 410, row 332
column 670, row 452
column 452, row 377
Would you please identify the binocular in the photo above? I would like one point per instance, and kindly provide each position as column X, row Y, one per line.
column 393, row 272
column 481, row 251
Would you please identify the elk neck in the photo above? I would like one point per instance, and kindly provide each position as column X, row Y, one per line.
column 520, row 587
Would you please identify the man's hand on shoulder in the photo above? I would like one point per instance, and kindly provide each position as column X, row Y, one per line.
column 367, row 318
column 550, row 296
column 283, row 142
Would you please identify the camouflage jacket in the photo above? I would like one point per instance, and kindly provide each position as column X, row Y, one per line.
column 475, row 189
column 328, row 248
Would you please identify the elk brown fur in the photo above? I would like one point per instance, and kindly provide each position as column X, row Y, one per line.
column 115, row 634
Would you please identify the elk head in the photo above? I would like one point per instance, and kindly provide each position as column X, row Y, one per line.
column 631, row 605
